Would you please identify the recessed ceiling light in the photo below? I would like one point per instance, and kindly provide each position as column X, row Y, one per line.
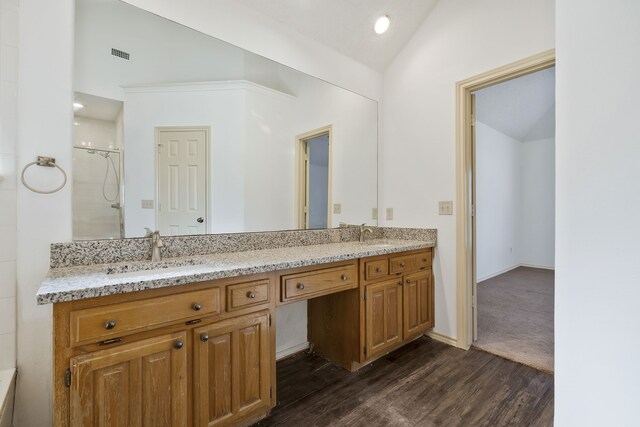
column 382, row 24
column 77, row 106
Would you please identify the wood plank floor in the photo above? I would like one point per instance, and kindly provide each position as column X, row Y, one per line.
column 425, row 383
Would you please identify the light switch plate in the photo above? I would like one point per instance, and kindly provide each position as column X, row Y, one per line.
column 337, row 208
column 374, row 213
column 147, row 204
column 389, row 214
column 445, row 207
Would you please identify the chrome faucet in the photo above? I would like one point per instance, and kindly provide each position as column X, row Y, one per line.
column 363, row 230
column 156, row 244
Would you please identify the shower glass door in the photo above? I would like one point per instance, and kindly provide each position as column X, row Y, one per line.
column 97, row 206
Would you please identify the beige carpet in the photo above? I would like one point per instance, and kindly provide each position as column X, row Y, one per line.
column 515, row 316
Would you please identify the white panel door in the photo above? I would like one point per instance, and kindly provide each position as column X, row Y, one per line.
column 182, row 181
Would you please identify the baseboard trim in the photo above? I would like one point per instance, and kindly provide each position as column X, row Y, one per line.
column 543, row 267
column 286, row 352
column 506, row 270
column 442, row 338
column 491, row 276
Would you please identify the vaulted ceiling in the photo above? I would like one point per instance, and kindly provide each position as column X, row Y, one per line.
column 522, row 108
column 347, row 25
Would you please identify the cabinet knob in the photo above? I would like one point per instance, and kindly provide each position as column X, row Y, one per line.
column 204, row 337
column 200, row 220
column 344, row 277
column 251, row 294
column 424, row 260
column 178, row 345
column 110, row 324
column 408, row 282
column 378, row 270
column 402, row 264
column 300, row 286
column 197, row 307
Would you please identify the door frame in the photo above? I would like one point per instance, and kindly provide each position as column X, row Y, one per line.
column 301, row 178
column 465, row 173
column 207, row 170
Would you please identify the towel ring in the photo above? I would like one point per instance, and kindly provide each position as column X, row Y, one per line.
column 48, row 162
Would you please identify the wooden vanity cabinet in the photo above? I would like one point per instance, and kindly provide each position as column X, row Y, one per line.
column 207, row 359
column 383, row 316
column 139, row 384
column 399, row 305
column 232, row 370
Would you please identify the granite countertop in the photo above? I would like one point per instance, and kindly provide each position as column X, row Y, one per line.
column 89, row 281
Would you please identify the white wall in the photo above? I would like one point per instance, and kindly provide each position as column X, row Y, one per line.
column 538, row 203
column 8, row 146
column 45, row 92
column 515, row 202
column 221, row 107
column 459, row 39
column 250, row 30
column 598, row 201
column 499, row 209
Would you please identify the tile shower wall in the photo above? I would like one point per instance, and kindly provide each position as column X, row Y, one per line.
column 8, row 137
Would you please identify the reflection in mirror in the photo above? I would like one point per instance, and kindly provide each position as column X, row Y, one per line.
column 184, row 133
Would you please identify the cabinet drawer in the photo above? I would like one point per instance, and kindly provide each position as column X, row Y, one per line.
column 410, row 262
column 100, row 323
column 248, row 294
column 318, row 282
column 375, row 269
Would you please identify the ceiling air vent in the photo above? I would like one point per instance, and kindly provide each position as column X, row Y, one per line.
column 120, row 54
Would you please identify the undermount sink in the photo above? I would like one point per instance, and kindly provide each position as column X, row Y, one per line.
column 142, row 271
column 381, row 245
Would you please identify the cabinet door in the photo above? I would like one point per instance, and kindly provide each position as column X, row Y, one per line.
column 383, row 316
column 232, row 370
column 418, row 306
column 139, row 384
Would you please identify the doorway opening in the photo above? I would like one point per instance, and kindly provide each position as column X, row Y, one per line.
column 182, row 177
column 466, row 227
column 314, row 178
column 514, row 218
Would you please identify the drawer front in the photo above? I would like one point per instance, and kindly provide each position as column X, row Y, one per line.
column 248, row 294
column 424, row 259
column 375, row 269
column 318, row 282
column 405, row 263
column 100, row 323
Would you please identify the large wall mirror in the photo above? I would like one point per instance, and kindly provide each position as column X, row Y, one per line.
column 181, row 132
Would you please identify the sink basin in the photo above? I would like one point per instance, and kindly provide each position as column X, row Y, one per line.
column 159, row 270
column 379, row 245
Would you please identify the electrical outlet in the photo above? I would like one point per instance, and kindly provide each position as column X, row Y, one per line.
column 337, row 208
column 147, row 204
column 445, row 208
column 374, row 213
column 389, row 214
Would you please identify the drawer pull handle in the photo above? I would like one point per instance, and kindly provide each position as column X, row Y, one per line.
column 110, row 324
column 204, row 337
column 251, row 294
column 402, row 264
column 300, row 286
column 178, row 345
column 197, row 307
column 378, row 270
column 344, row 277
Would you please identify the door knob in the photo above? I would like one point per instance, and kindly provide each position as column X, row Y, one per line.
column 200, row 220
column 178, row 345
column 204, row 337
